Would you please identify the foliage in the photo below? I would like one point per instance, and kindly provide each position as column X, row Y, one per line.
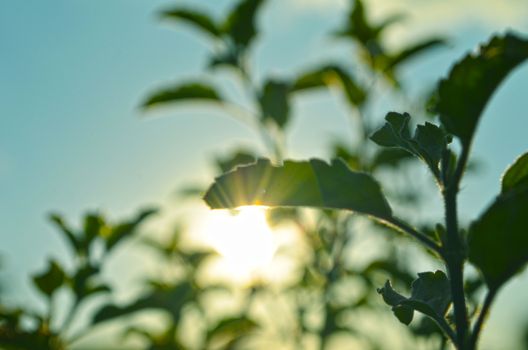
column 496, row 243
column 340, row 189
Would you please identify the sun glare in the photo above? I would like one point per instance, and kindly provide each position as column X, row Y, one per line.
column 244, row 240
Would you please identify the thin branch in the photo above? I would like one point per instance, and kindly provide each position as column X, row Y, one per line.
column 477, row 328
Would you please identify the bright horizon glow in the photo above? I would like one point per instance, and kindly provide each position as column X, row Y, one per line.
column 244, row 240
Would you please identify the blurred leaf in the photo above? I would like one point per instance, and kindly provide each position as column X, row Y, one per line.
column 228, row 58
column 311, row 183
column 50, row 280
column 170, row 300
column 463, row 95
column 516, row 175
column 93, row 223
column 71, row 238
column 190, row 91
column 232, row 327
column 352, row 159
column 410, row 52
column 497, row 241
column 331, row 75
column 125, row 229
column 238, row 157
column 197, row 19
column 430, row 295
column 240, row 23
column 274, row 102
column 428, row 143
column 191, row 191
column 84, row 283
column 358, row 28
column 390, row 157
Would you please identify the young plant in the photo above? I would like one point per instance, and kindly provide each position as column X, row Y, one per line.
column 495, row 242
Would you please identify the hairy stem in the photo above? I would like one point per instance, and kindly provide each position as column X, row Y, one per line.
column 454, row 251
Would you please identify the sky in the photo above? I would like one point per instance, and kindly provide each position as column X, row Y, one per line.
column 73, row 73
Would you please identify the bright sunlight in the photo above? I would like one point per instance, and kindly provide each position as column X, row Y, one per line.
column 244, row 240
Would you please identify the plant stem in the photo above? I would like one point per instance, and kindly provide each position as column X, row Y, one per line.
column 454, row 251
column 481, row 317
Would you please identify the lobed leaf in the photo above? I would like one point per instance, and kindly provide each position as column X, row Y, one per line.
column 516, row 175
column 197, row 19
column 428, row 143
column 430, row 295
column 463, row 95
column 497, row 241
column 313, row 183
column 183, row 92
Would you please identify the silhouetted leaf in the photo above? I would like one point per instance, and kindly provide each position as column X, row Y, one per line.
column 170, row 300
column 497, row 241
column 126, row 229
column 463, row 95
column 183, row 92
column 311, row 183
column 74, row 242
column 197, row 19
column 428, row 143
column 50, row 280
column 516, row 175
column 430, row 295
column 240, row 23
column 274, row 102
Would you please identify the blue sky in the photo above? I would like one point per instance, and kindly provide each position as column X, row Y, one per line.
column 72, row 74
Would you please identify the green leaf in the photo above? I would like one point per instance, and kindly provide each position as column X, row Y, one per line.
column 232, row 327
column 72, row 239
column 125, row 229
column 93, row 224
column 311, row 183
column 240, row 23
column 274, row 102
column 198, row 19
column 497, row 241
column 430, row 295
column 394, row 60
column 516, row 175
column 390, row 157
column 170, row 299
column 331, row 75
column 428, row 143
column 50, row 280
column 190, row 91
column 463, row 95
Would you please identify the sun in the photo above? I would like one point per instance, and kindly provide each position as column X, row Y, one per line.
column 244, row 240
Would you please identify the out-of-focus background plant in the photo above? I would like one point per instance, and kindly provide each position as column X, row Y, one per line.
column 179, row 277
